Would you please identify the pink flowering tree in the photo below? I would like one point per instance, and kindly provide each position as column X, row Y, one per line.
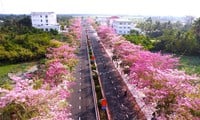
column 62, row 60
column 26, row 102
column 55, row 73
column 42, row 97
column 74, row 32
column 172, row 92
column 92, row 22
column 62, row 53
column 75, row 28
column 103, row 31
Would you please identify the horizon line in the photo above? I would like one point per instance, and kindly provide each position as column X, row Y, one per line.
column 87, row 14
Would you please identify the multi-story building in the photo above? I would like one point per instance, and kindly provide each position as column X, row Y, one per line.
column 45, row 21
column 122, row 26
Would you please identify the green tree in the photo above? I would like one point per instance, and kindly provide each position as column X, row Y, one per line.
column 139, row 40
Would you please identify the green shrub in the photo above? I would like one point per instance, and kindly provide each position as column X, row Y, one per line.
column 93, row 67
column 195, row 113
column 18, row 111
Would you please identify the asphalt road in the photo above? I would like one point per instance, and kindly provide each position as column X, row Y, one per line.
column 120, row 106
column 82, row 99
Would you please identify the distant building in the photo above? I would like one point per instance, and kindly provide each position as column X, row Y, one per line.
column 101, row 20
column 111, row 19
column 45, row 21
column 122, row 26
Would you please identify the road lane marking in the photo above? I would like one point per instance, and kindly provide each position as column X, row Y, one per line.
column 79, row 90
column 79, row 107
column 80, row 83
column 112, row 82
column 79, row 118
column 79, row 98
column 115, row 88
column 80, row 78
column 118, row 96
column 127, row 115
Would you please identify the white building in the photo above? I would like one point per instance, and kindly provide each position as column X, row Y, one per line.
column 111, row 19
column 102, row 20
column 45, row 21
column 122, row 26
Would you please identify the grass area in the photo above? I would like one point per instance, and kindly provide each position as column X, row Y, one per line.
column 191, row 64
column 13, row 68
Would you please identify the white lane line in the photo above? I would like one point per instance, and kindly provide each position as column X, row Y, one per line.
column 79, row 107
column 115, row 88
column 80, row 84
column 80, row 78
column 118, row 96
column 127, row 115
column 79, row 98
column 112, row 82
column 79, row 118
column 79, row 90
column 80, row 72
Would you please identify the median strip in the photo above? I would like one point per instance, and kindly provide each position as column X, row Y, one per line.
column 95, row 78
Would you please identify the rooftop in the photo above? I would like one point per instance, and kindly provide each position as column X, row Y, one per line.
column 122, row 20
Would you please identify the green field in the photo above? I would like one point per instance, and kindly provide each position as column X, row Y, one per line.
column 191, row 64
column 13, row 68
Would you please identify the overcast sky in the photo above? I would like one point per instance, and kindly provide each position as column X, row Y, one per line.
column 130, row 7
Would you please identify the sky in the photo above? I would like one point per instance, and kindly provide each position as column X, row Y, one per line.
column 129, row 7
